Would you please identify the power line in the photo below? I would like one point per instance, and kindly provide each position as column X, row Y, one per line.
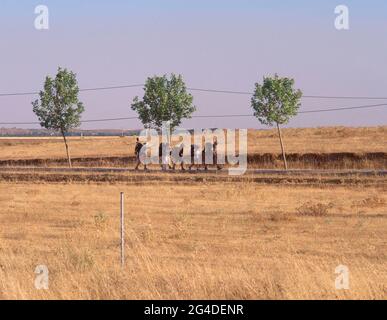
column 81, row 90
column 300, row 112
column 18, row 94
column 212, row 116
column 111, row 119
column 220, row 91
column 83, row 121
column 346, row 97
column 345, row 108
column 198, row 90
column 304, row 96
column 113, row 87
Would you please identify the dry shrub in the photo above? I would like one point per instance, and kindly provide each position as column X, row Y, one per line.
column 279, row 216
column 274, row 216
column 146, row 234
column 33, row 192
column 314, row 209
column 20, row 235
column 71, row 223
column 100, row 220
column 372, row 202
column 181, row 224
column 81, row 260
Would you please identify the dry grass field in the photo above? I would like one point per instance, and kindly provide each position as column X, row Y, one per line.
column 309, row 140
column 196, row 236
column 311, row 148
column 202, row 240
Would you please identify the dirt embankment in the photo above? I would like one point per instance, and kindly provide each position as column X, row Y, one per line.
column 340, row 160
column 155, row 178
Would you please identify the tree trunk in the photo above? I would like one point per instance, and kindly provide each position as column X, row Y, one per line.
column 282, row 147
column 67, row 149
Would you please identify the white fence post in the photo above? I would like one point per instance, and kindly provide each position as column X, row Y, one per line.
column 122, row 231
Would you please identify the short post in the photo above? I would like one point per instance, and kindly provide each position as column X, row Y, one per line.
column 122, row 230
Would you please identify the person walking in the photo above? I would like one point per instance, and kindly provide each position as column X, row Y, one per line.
column 138, row 151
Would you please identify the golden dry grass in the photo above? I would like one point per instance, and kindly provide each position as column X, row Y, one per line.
column 200, row 241
column 308, row 140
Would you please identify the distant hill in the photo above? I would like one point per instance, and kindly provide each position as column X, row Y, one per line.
column 17, row 132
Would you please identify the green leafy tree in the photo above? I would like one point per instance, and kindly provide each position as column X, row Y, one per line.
column 165, row 100
column 58, row 108
column 275, row 102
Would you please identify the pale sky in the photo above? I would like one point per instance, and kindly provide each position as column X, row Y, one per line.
column 217, row 44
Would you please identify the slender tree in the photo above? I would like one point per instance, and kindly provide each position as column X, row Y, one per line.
column 165, row 100
column 58, row 108
column 275, row 102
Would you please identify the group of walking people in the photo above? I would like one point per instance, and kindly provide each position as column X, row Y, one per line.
column 169, row 156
